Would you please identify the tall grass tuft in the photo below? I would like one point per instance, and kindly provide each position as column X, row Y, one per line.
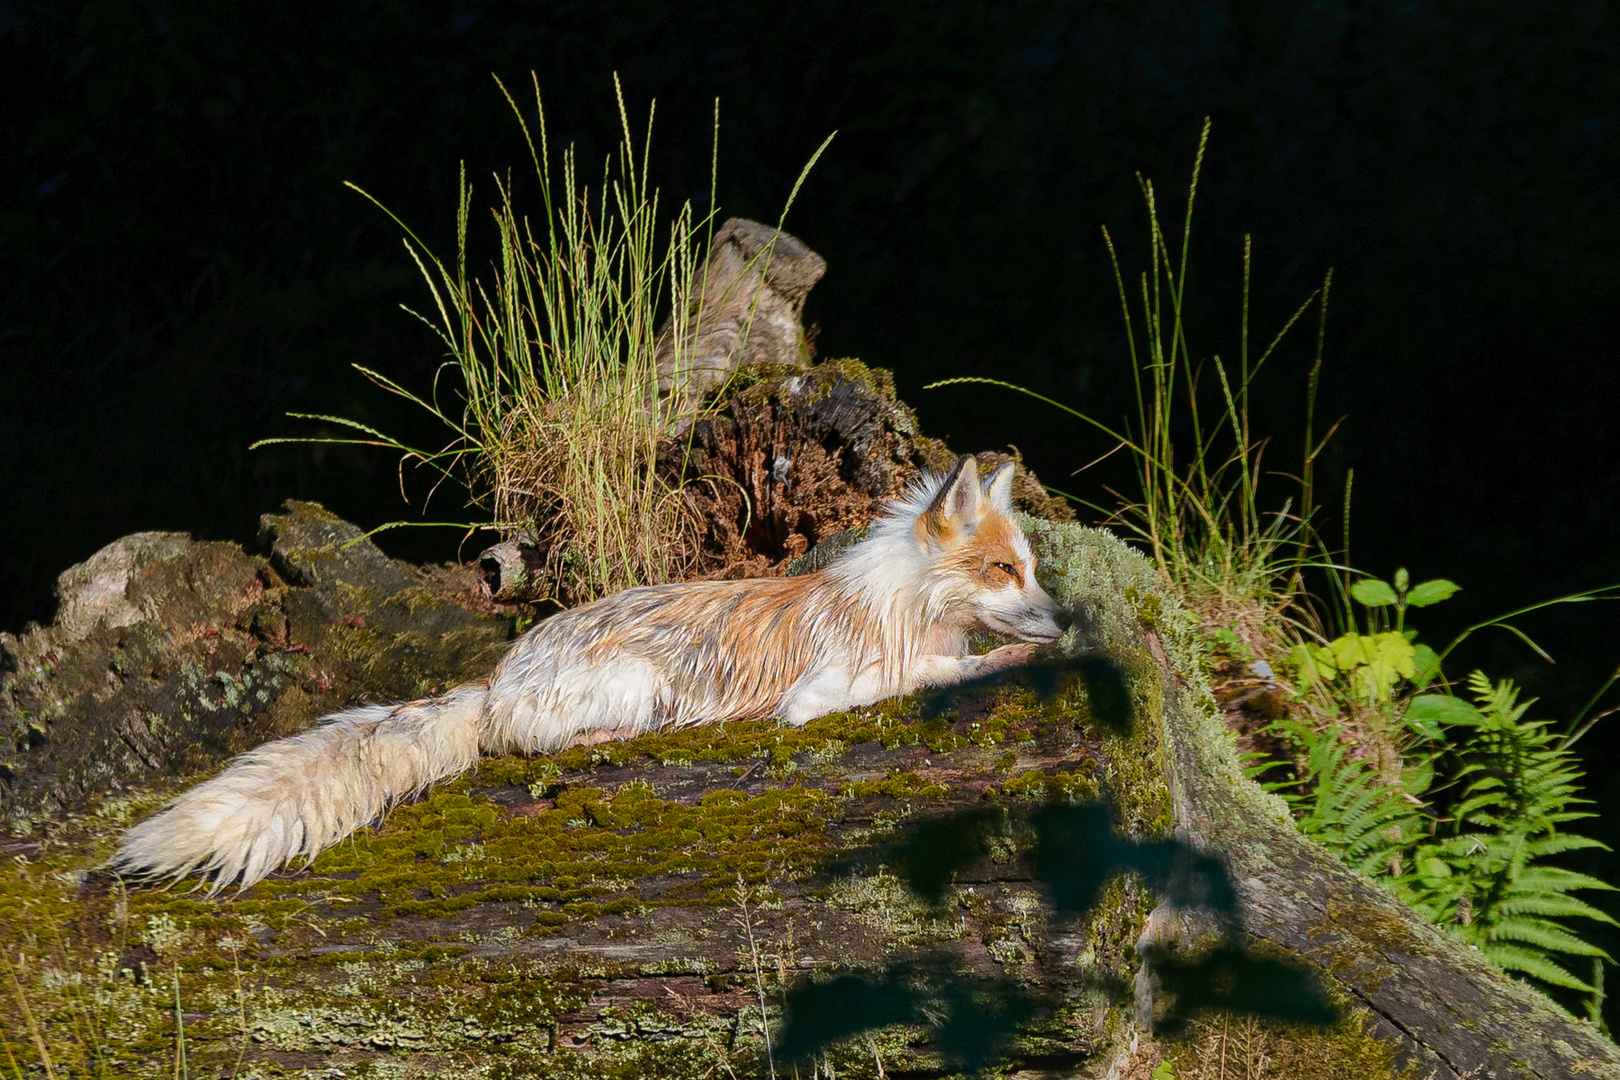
column 1196, row 507
column 552, row 400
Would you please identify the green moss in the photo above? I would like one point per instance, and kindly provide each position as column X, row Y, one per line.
column 757, row 383
column 569, row 854
column 890, row 724
column 1035, row 784
column 897, row 785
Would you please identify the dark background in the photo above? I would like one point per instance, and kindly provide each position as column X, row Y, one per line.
column 180, row 267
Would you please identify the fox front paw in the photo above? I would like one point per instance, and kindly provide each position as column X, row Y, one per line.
column 1008, row 656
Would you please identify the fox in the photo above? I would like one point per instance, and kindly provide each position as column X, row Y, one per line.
column 889, row 616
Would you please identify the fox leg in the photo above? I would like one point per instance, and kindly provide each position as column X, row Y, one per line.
column 832, row 689
column 945, row 670
column 602, row 735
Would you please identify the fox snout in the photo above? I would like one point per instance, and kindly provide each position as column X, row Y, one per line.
column 1027, row 614
column 1043, row 621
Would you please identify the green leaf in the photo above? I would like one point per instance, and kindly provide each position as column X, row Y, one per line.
column 1546, row 936
column 1373, row 593
column 1351, row 651
column 1417, row 776
column 1432, row 867
column 1394, row 650
column 1427, row 662
column 1431, row 592
column 1426, row 713
column 1315, row 662
column 1534, row 964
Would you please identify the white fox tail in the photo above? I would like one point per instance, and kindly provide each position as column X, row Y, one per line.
column 298, row 795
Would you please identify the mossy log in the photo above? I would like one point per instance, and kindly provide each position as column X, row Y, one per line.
column 590, row 913
column 170, row 654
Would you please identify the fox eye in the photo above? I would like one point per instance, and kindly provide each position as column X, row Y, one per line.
column 1008, row 569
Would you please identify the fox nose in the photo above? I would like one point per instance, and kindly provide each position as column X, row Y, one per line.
column 1064, row 618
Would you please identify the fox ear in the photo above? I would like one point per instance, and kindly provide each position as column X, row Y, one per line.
column 958, row 498
column 999, row 486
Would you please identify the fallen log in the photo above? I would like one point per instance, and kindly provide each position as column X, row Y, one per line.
column 614, row 910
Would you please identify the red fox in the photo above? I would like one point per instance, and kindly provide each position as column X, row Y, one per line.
column 889, row 616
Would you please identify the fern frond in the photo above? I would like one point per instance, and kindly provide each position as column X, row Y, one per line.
column 1552, row 906
column 1535, row 964
column 1540, row 847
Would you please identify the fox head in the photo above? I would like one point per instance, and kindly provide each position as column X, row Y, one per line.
column 981, row 558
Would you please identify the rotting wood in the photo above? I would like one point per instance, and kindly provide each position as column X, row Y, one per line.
column 568, row 916
column 754, row 287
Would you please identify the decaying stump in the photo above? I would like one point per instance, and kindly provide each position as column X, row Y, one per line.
column 754, row 288
column 788, row 458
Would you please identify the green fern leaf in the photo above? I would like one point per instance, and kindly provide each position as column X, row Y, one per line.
column 1544, row 935
column 1535, row 964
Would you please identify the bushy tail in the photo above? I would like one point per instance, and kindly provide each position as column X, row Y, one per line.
column 296, row 796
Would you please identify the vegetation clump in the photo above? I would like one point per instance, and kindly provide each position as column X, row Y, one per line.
column 1460, row 807
column 552, row 405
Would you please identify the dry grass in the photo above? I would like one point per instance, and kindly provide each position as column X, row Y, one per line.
column 550, row 390
column 560, row 430
column 1238, row 1047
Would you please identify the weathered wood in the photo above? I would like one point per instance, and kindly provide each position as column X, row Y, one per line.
column 575, row 915
column 753, row 293
column 514, row 570
column 170, row 654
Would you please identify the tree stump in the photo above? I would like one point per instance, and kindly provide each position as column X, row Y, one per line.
column 753, row 292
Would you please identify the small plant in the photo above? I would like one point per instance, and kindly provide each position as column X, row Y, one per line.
column 1374, row 663
column 1477, row 867
column 745, row 920
column 1197, row 507
column 1347, row 805
column 1484, row 876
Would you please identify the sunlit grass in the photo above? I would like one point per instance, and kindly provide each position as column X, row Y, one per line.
column 1196, row 507
column 551, row 389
